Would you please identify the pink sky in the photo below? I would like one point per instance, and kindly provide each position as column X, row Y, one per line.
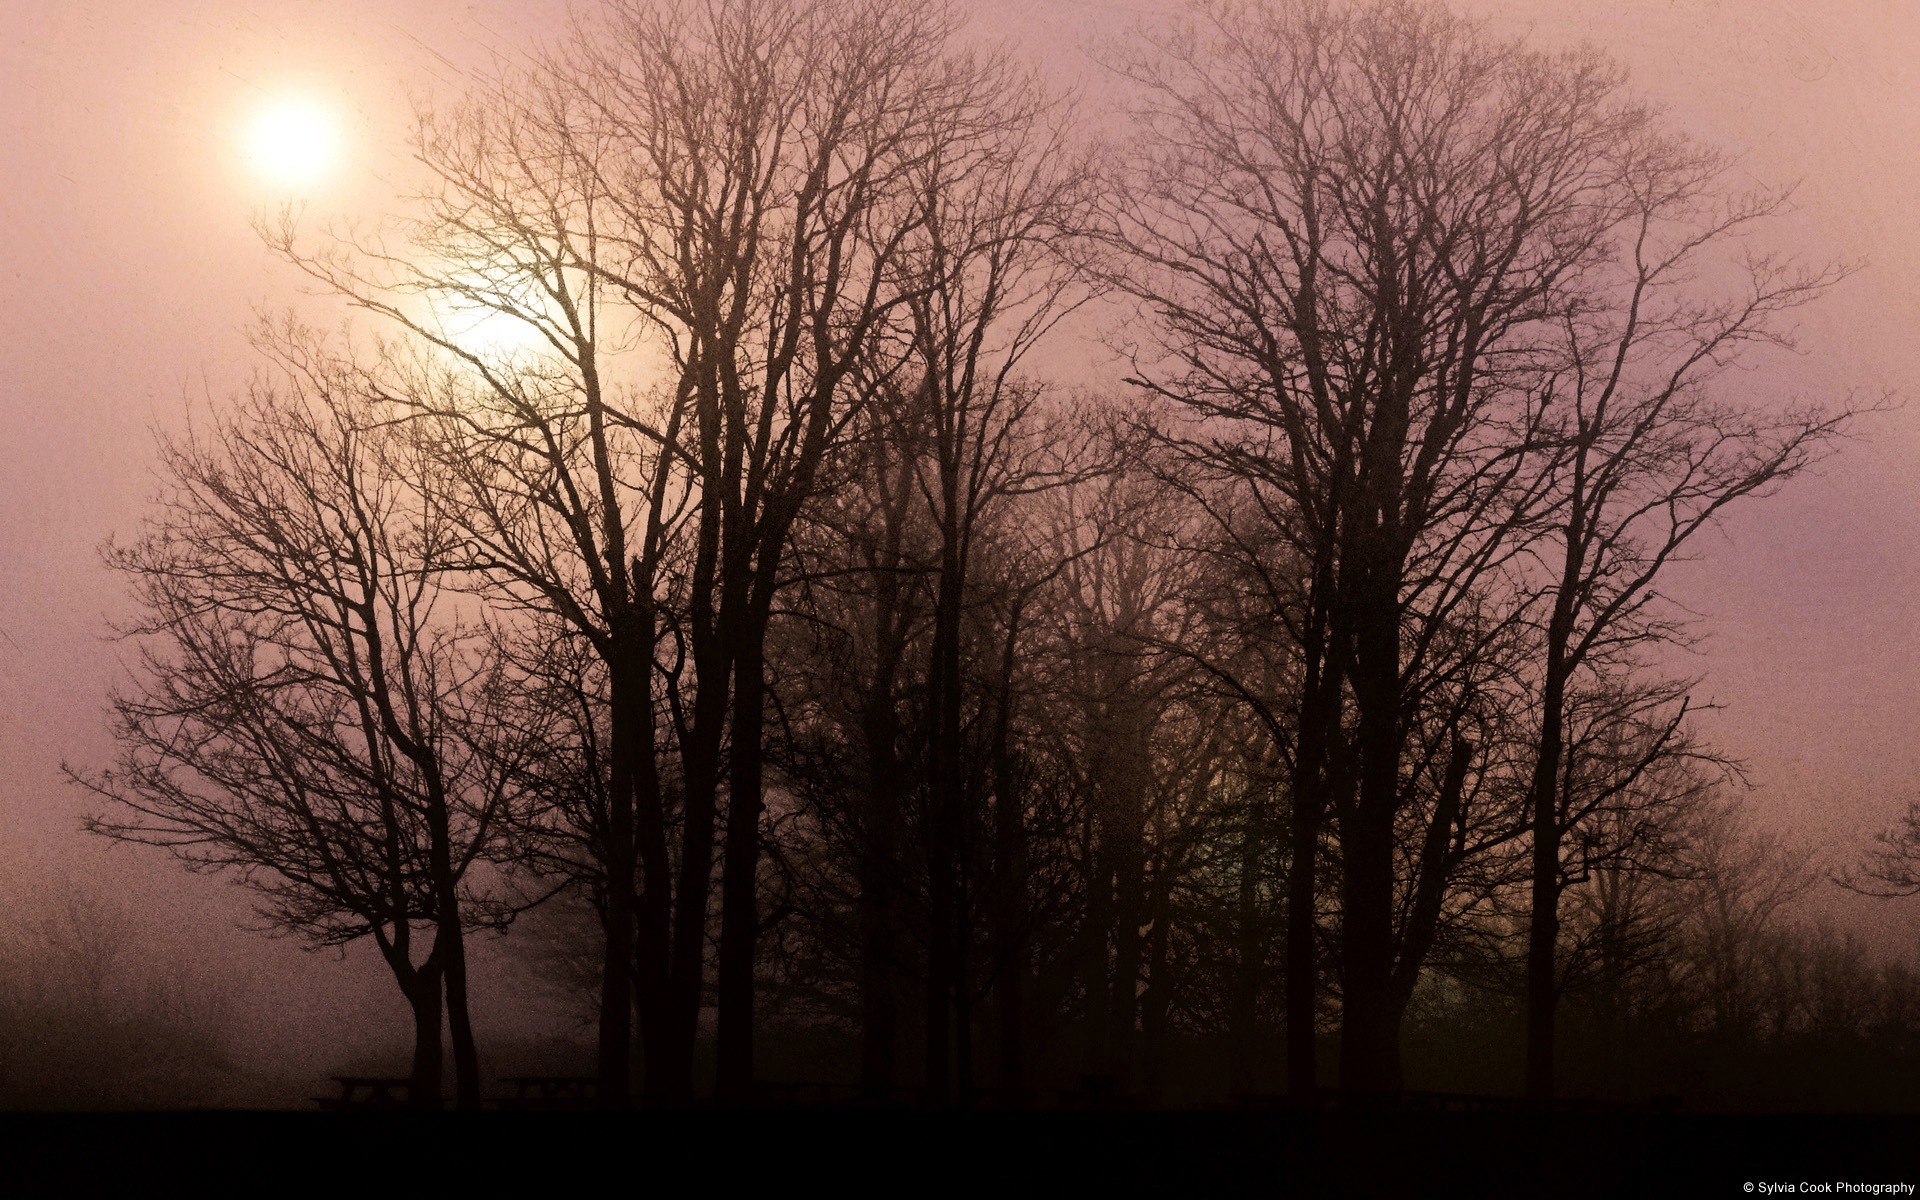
column 128, row 271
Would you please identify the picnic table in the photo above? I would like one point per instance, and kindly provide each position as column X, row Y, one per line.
column 552, row 1091
column 369, row 1091
column 810, row 1094
column 1333, row 1100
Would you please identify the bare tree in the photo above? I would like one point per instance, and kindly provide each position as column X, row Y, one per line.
column 568, row 504
column 307, row 707
column 1120, row 604
column 1269, row 640
column 93, row 1015
column 744, row 180
column 1741, row 895
column 1353, row 228
column 855, row 618
column 987, row 272
column 769, row 155
column 1657, row 444
column 1890, row 868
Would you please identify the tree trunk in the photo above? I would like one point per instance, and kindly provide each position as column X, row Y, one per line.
column 1010, row 880
column 615, row 1058
column 450, row 943
column 879, row 920
column 466, row 1056
column 1096, row 951
column 1433, row 869
column 712, row 657
column 652, row 945
column 879, row 864
column 1302, row 965
column 1369, row 1033
column 1543, row 931
column 1129, row 888
column 962, row 990
column 941, row 969
column 946, row 934
column 450, row 948
column 739, row 886
column 1156, row 1002
column 1311, row 784
column 1243, row 1014
column 423, row 994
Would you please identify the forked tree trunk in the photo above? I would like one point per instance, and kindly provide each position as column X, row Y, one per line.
column 466, row 1055
column 423, row 995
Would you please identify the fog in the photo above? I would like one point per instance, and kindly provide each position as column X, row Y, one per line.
column 131, row 271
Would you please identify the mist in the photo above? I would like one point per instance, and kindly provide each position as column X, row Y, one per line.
column 1315, row 561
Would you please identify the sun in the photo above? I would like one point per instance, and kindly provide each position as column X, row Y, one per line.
column 293, row 143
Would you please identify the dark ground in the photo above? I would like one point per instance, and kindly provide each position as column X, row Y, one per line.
column 991, row 1155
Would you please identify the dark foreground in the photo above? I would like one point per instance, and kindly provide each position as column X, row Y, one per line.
column 995, row 1156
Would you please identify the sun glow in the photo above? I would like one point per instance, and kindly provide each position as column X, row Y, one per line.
column 500, row 334
column 293, row 143
column 487, row 315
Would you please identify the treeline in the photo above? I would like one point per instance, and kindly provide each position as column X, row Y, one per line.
column 700, row 531
column 90, row 1020
column 1714, row 987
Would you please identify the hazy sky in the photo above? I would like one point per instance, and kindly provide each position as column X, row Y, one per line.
column 128, row 270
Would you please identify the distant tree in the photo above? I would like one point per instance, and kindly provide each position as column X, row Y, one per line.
column 308, row 710
column 1740, row 901
column 1890, row 868
column 850, row 670
column 1120, row 606
column 1267, row 639
column 93, row 1016
column 987, row 272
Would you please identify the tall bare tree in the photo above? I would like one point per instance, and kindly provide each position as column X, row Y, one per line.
column 1657, row 444
column 739, row 176
column 568, row 501
column 1358, row 232
column 308, row 711
column 767, row 158
column 988, row 270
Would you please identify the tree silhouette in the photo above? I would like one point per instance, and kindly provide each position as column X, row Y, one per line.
column 1891, row 867
column 307, row 711
column 1362, row 239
